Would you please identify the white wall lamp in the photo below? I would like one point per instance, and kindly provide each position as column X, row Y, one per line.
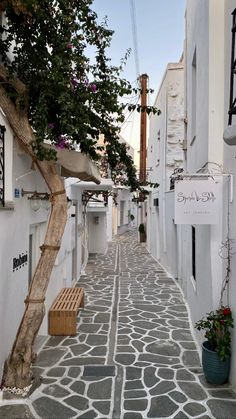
column 37, row 199
column 46, row 203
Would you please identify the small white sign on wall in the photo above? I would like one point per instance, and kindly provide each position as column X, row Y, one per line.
column 197, row 201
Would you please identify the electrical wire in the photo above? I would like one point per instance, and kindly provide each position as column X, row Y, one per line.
column 135, row 38
column 130, row 113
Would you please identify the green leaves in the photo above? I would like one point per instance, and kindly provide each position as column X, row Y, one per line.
column 216, row 325
column 147, row 109
column 51, row 42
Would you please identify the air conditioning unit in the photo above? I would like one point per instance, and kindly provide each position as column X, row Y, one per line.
column 156, row 202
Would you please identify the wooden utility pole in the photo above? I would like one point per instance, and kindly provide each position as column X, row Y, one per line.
column 143, row 130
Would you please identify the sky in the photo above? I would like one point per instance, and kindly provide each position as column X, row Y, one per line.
column 160, row 39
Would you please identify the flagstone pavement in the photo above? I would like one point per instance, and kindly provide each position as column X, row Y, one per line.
column 134, row 355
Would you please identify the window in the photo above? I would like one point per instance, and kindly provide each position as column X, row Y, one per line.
column 193, row 253
column 2, row 165
column 194, row 96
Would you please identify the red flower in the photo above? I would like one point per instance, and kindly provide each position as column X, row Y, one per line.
column 226, row 311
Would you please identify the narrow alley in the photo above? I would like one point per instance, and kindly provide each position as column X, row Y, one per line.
column 134, row 356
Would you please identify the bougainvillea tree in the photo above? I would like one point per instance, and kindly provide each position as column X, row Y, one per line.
column 56, row 83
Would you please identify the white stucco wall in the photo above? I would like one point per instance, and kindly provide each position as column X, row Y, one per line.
column 124, row 200
column 109, row 219
column 230, row 166
column 153, row 221
column 197, row 40
column 207, row 48
column 14, row 241
column 208, row 31
column 16, row 225
column 204, row 38
column 165, row 153
column 97, row 232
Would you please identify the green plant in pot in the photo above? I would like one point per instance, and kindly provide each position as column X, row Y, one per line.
column 216, row 350
column 142, row 233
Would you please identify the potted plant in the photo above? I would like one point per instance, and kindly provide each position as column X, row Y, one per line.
column 216, row 349
column 142, row 233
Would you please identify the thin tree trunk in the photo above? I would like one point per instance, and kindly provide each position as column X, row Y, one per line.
column 17, row 371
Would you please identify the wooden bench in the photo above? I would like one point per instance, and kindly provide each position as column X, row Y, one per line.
column 63, row 312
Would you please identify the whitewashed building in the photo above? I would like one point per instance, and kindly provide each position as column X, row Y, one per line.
column 165, row 154
column 125, row 209
column 229, row 158
column 23, row 224
column 96, row 210
column 208, row 64
column 197, row 264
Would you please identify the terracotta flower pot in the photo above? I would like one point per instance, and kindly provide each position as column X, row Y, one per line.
column 215, row 370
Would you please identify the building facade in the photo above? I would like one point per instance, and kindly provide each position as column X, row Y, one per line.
column 23, row 224
column 199, row 262
column 165, row 154
column 229, row 165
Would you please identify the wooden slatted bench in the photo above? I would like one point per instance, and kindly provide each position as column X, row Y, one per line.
column 63, row 312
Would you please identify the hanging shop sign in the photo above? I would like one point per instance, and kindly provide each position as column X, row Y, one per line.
column 197, row 201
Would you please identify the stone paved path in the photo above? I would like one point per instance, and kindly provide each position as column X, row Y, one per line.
column 134, row 356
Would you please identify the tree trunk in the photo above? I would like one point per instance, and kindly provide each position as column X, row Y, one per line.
column 17, row 371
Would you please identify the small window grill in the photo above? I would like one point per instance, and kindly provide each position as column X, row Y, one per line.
column 232, row 98
column 2, row 165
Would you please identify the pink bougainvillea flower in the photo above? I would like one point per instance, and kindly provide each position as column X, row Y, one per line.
column 75, row 82
column 62, row 143
column 62, row 137
column 51, row 125
column 93, row 87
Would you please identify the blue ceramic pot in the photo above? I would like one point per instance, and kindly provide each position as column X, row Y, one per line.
column 215, row 370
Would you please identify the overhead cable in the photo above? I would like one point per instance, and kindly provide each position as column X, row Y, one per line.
column 135, row 38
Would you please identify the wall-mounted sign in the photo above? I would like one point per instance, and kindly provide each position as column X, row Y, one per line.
column 17, row 193
column 20, row 261
column 197, row 201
